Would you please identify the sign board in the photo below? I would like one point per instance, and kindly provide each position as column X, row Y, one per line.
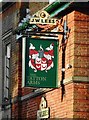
column 43, row 111
column 40, row 63
column 42, row 17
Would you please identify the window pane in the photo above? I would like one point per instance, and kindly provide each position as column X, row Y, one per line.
column 7, row 72
column 7, row 82
column 6, row 93
column 8, row 50
column 7, row 62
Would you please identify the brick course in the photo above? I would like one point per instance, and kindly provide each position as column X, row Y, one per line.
column 81, row 100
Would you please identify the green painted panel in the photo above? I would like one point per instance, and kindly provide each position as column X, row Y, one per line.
column 50, row 8
column 60, row 9
column 41, row 61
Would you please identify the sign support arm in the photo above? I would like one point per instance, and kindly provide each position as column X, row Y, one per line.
column 23, row 60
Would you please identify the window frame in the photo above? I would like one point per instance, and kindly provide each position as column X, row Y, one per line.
column 6, row 39
column 7, row 71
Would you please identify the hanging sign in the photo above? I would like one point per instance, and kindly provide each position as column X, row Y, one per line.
column 42, row 17
column 40, row 58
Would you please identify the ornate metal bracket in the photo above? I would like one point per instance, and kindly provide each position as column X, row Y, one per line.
column 25, row 28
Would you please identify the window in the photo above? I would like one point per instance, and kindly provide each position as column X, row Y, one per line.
column 7, row 71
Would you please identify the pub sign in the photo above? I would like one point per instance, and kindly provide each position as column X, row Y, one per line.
column 40, row 62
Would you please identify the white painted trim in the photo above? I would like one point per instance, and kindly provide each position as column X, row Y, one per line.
column 23, row 60
column 6, row 35
column 76, row 79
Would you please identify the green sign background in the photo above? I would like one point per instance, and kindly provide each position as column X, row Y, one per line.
column 41, row 79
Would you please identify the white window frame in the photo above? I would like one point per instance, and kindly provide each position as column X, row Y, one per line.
column 7, row 70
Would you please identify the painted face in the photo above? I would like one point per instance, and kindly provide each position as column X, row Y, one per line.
column 43, row 66
column 34, row 56
column 38, row 60
column 38, row 66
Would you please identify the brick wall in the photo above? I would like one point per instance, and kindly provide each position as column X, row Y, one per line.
column 81, row 64
column 69, row 52
column 81, row 100
column 9, row 22
column 81, row 44
column 61, row 108
column 37, row 5
column 58, row 108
